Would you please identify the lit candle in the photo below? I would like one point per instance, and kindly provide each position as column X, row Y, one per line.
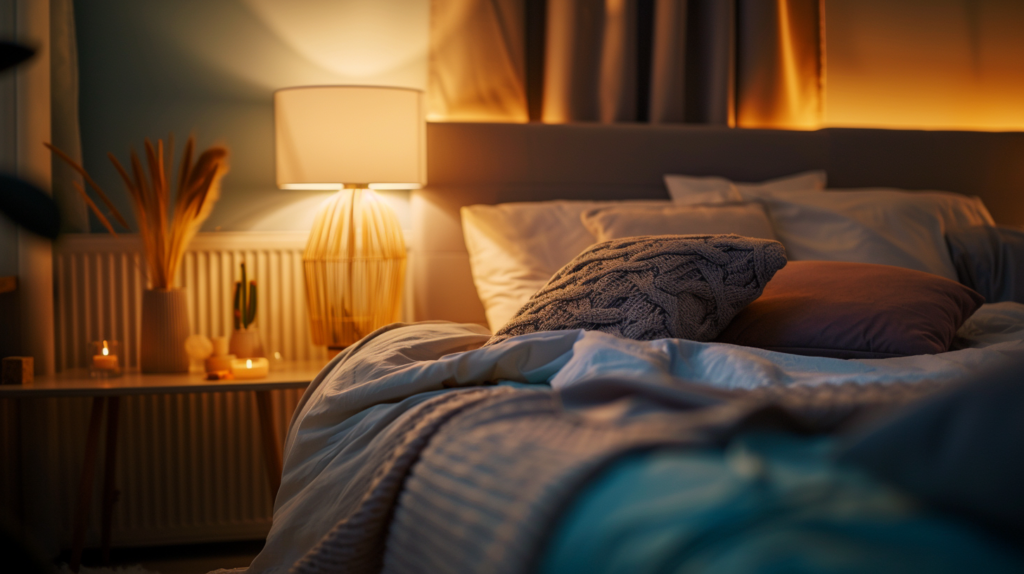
column 250, row 368
column 105, row 361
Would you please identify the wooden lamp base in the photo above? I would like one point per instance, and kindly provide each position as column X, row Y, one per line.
column 354, row 267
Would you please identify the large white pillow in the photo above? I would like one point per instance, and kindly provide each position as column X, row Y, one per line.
column 690, row 190
column 746, row 219
column 514, row 248
column 885, row 226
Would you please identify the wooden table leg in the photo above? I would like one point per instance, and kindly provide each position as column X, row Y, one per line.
column 12, row 413
column 271, row 450
column 110, row 493
column 85, row 483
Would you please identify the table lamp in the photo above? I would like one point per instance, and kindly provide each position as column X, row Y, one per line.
column 353, row 139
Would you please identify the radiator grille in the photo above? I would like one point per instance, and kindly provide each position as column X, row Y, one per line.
column 99, row 282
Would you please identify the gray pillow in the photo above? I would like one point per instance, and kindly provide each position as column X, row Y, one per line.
column 989, row 260
column 652, row 287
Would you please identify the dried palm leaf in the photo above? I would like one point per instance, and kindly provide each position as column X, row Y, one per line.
column 92, row 205
column 106, row 201
column 165, row 231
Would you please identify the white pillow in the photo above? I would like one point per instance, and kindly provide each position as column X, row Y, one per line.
column 514, row 248
column 746, row 219
column 885, row 226
column 689, row 190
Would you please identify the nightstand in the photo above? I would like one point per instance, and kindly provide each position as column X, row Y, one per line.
column 106, row 394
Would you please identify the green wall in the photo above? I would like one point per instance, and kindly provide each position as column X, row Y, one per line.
column 148, row 68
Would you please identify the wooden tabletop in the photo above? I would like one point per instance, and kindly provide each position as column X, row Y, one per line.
column 78, row 383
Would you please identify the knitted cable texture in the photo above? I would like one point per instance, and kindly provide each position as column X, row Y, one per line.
column 652, row 287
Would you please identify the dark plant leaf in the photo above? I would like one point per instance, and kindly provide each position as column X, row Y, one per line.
column 29, row 206
column 12, row 54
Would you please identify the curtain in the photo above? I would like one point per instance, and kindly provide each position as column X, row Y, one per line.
column 64, row 125
column 477, row 61
column 780, row 64
column 572, row 60
column 745, row 63
column 668, row 66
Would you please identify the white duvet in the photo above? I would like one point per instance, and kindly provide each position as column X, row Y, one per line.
column 360, row 393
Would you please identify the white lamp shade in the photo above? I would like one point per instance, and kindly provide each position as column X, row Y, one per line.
column 327, row 136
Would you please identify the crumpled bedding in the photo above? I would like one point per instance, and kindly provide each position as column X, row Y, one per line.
column 988, row 259
column 767, row 503
column 346, row 427
column 491, row 484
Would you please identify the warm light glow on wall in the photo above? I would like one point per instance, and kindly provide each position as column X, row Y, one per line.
column 269, row 44
column 925, row 64
column 352, row 38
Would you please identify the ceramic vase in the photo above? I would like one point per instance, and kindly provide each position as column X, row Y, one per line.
column 245, row 343
column 164, row 330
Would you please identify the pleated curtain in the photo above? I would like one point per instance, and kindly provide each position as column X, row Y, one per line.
column 743, row 63
column 477, row 61
column 65, row 129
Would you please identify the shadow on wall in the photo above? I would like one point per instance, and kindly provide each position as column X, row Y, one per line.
column 210, row 67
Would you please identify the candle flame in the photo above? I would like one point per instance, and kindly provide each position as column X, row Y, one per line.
column 105, row 351
column 248, row 363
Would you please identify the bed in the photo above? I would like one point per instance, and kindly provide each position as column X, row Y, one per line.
column 448, row 445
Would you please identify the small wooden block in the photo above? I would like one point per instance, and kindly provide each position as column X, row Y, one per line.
column 17, row 370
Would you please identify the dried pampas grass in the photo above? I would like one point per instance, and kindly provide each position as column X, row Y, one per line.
column 165, row 232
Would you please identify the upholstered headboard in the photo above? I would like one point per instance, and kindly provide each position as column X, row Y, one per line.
column 497, row 163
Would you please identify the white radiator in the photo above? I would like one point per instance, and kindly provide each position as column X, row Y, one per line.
column 190, row 467
column 99, row 281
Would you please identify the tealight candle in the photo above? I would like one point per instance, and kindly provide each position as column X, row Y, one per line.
column 105, row 362
column 256, row 368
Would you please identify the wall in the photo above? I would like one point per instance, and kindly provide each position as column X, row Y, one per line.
column 932, row 64
column 210, row 67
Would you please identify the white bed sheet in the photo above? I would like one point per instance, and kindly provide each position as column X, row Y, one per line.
column 992, row 333
column 332, row 434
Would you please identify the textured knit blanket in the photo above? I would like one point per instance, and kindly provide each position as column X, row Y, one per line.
column 496, row 466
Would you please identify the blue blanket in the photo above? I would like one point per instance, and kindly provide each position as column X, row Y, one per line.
column 767, row 503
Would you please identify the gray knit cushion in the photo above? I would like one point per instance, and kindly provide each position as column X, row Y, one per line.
column 652, row 287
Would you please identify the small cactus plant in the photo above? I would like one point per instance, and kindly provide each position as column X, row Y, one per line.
column 245, row 302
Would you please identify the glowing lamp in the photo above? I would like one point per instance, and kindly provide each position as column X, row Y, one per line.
column 353, row 139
